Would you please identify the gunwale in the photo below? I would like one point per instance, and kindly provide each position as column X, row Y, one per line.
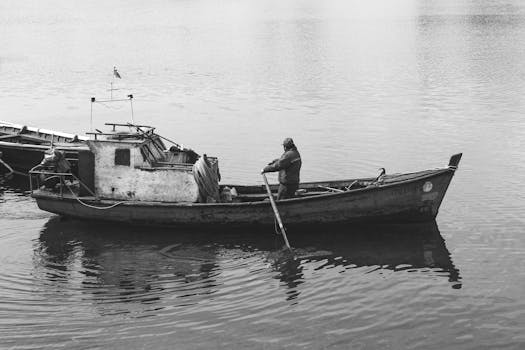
column 8, row 128
column 134, row 203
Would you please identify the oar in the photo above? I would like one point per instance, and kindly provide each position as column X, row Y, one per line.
column 275, row 211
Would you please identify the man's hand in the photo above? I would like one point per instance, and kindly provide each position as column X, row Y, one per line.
column 267, row 169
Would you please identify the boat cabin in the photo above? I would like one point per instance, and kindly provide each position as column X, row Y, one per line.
column 136, row 165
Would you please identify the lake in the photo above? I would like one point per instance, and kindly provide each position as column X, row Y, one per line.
column 358, row 85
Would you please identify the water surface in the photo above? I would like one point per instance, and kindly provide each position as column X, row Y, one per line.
column 401, row 85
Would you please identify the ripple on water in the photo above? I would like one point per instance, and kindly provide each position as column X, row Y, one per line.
column 130, row 284
column 16, row 203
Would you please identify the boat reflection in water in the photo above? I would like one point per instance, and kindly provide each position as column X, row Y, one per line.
column 413, row 247
column 16, row 184
column 113, row 264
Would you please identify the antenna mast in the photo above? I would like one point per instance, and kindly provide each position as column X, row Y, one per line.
column 94, row 100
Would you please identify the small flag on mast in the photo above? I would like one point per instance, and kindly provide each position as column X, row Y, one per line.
column 116, row 73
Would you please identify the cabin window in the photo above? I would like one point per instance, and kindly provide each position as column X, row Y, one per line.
column 159, row 147
column 146, row 153
column 122, row 156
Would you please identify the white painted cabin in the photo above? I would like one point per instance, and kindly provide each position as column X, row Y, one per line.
column 129, row 166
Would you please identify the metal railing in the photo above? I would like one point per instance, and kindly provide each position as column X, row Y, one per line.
column 39, row 175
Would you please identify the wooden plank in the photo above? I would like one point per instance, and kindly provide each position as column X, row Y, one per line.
column 33, row 139
column 330, row 188
column 6, row 137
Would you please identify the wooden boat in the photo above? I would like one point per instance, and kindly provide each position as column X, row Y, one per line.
column 132, row 178
column 22, row 147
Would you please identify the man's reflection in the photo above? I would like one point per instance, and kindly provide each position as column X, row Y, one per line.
column 394, row 247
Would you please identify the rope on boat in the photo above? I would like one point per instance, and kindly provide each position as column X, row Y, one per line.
column 207, row 177
column 92, row 206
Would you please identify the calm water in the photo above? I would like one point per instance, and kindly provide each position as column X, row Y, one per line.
column 358, row 85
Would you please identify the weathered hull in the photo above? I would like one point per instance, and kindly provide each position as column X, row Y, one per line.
column 24, row 147
column 403, row 201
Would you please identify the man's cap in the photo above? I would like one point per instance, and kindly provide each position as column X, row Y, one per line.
column 288, row 142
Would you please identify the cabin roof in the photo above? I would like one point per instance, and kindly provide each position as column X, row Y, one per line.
column 124, row 133
column 121, row 141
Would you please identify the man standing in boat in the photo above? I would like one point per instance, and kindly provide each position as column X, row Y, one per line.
column 288, row 166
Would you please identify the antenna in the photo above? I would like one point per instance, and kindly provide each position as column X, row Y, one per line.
column 94, row 100
column 116, row 74
column 91, row 119
column 111, row 89
column 130, row 96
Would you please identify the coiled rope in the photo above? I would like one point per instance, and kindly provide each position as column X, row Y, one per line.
column 207, row 177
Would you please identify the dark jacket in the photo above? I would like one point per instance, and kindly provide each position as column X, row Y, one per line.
column 288, row 166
